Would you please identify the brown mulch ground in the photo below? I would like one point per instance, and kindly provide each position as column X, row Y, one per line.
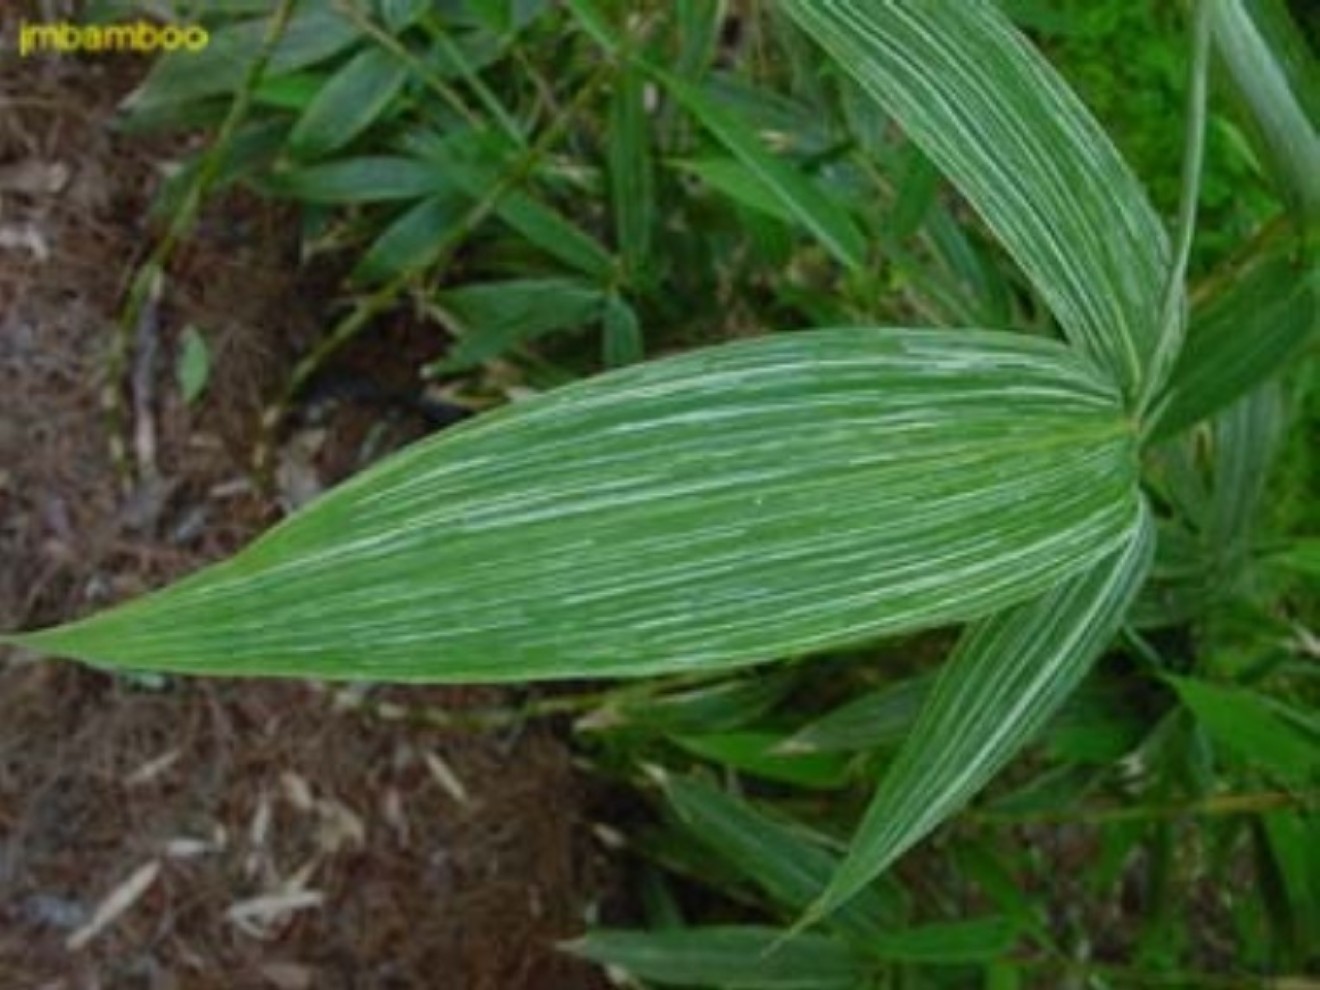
column 264, row 835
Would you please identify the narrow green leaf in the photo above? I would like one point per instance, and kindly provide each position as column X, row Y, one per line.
column 739, row 183
column 496, row 316
column 294, row 92
column 1007, row 677
column 1239, row 338
column 622, row 342
column 997, row 119
column 1252, row 726
column 360, row 180
column 632, row 182
column 917, row 185
column 350, row 102
column 747, row 958
column 698, row 25
column 722, row 507
column 877, row 718
column 948, row 944
column 758, row 754
column 411, row 242
column 1275, row 72
column 311, row 36
column 777, row 857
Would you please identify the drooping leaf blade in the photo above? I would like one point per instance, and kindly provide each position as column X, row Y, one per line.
column 718, row 508
column 1009, row 674
column 1005, row 128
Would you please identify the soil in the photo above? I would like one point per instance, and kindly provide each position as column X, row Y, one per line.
column 169, row 833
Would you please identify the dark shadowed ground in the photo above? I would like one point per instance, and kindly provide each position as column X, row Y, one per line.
column 165, row 833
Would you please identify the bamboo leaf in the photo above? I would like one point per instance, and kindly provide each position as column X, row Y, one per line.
column 949, row 943
column 496, row 316
column 349, row 103
column 1009, row 674
column 1251, row 725
column 412, row 241
column 877, row 718
column 632, row 182
column 621, row 341
column 999, row 121
column 746, row 958
column 722, row 507
column 777, row 857
column 360, row 180
column 757, row 754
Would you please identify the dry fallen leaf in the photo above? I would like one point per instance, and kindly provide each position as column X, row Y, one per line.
column 116, row 903
column 446, row 778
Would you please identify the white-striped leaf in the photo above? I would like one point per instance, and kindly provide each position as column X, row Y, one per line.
column 999, row 121
column 721, row 507
column 1010, row 673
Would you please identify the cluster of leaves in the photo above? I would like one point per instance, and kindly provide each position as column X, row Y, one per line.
column 523, row 170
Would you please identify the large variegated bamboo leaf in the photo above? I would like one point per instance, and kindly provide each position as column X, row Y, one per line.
column 1008, row 676
column 997, row 119
column 721, row 507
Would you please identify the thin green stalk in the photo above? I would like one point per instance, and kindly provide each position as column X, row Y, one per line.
column 1173, row 308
